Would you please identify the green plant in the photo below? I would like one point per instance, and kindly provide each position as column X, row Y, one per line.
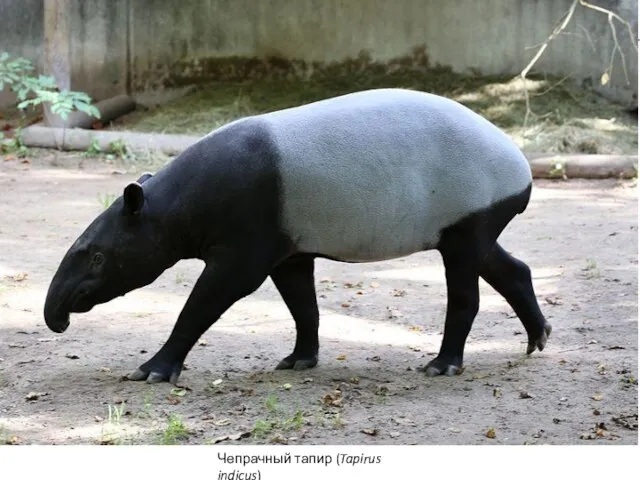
column 106, row 200
column 591, row 270
column 13, row 146
column 119, row 148
column 262, row 428
column 115, row 413
column 174, row 432
column 558, row 169
column 93, row 149
column 338, row 422
column 17, row 75
column 271, row 403
column 294, row 423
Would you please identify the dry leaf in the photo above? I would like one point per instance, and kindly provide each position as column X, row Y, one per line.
column 35, row 395
column 341, row 357
column 398, row 293
column 604, row 79
column 407, row 422
column 370, row 431
column 173, row 400
column 235, row 436
column 354, row 380
column 382, row 390
column 222, row 422
column 19, row 277
column 13, row 440
column 597, row 397
column 553, row 300
column 491, row 433
column 217, row 382
column 345, row 305
column 280, row 439
column 287, row 386
column 333, row 399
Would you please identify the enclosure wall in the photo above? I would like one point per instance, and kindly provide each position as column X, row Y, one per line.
column 145, row 44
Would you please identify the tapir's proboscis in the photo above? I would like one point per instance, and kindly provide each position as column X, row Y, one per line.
column 363, row 177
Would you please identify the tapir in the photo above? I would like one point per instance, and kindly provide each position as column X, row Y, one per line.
column 362, row 177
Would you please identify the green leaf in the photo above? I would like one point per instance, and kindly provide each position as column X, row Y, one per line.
column 31, row 101
column 88, row 109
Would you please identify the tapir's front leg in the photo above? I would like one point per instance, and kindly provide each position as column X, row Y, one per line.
column 224, row 281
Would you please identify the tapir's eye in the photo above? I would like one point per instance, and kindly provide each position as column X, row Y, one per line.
column 97, row 260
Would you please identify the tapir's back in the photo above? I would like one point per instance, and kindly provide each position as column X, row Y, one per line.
column 380, row 173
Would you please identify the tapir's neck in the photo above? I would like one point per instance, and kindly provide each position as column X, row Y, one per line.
column 183, row 235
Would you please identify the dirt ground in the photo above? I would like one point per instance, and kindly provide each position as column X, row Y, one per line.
column 380, row 322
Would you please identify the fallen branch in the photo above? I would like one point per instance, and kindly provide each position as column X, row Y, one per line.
column 606, row 75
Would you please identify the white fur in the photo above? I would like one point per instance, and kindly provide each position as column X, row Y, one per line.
column 379, row 174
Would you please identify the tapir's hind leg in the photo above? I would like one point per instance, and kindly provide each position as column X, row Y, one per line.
column 469, row 250
column 511, row 278
column 294, row 279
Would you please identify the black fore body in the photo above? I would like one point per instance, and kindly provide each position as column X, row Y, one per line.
column 264, row 196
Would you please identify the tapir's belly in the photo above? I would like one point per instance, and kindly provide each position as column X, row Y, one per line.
column 374, row 180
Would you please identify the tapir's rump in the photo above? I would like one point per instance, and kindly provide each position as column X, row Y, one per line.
column 378, row 174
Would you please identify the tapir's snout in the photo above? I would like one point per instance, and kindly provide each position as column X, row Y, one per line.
column 59, row 328
column 56, row 319
column 58, row 304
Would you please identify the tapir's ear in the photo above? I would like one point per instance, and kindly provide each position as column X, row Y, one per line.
column 144, row 177
column 133, row 198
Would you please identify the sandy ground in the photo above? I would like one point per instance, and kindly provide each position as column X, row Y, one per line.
column 380, row 323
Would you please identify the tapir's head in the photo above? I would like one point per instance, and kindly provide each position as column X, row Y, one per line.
column 121, row 250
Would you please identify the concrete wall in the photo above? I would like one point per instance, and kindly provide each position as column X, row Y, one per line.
column 98, row 42
column 99, row 47
column 21, row 33
column 155, row 43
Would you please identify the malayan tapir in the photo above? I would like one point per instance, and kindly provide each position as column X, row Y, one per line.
column 362, row 177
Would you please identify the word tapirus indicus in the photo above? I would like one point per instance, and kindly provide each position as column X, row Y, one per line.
column 363, row 177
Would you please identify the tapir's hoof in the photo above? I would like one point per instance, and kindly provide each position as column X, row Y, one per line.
column 541, row 341
column 441, row 367
column 294, row 362
column 170, row 375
